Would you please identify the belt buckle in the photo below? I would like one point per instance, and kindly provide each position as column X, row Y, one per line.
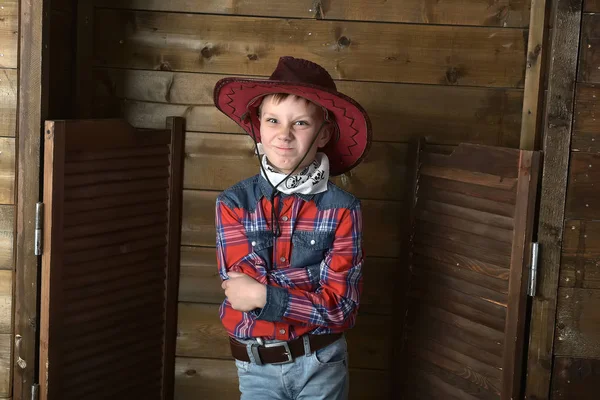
column 287, row 352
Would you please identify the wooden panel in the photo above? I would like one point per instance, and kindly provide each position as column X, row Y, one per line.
column 578, row 323
column 442, row 114
column 471, row 310
column 201, row 378
column 586, row 136
column 9, row 31
column 591, row 6
column 200, row 281
column 101, row 360
column 216, row 162
column 382, row 232
column 348, row 50
column 580, row 264
column 201, row 334
column 575, row 378
column 8, row 101
column 5, row 364
column 460, row 12
column 7, row 227
column 557, row 125
column 6, row 301
column 589, row 58
column 583, row 190
column 7, row 170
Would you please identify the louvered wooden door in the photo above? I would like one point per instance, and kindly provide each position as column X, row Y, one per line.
column 471, row 230
column 112, row 198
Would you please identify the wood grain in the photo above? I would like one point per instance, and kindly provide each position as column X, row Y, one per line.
column 580, row 263
column 398, row 112
column 557, row 127
column 209, row 378
column 575, row 378
column 7, row 170
column 589, row 58
column 6, row 301
column 8, row 101
column 586, row 137
column 201, row 334
column 583, row 190
column 348, row 50
column 7, row 227
column 9, row 34
column 578, row 323
column 513, row 13
column 5, row 364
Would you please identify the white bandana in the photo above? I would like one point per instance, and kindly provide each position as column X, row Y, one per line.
column 311, row 180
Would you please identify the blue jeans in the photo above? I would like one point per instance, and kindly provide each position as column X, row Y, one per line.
column 321, row 374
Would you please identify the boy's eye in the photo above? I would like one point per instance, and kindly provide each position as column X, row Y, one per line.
column 302, row 123
column 272, row 120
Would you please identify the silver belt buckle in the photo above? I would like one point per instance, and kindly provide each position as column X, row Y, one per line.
column 287, row 352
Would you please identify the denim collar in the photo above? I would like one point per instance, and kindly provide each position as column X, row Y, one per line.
column 267, row 190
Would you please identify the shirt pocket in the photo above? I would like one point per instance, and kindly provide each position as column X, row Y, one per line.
column 262, row 245
column 309, row 248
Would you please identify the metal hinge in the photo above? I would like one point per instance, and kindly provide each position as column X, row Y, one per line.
column 533, row 269
column 39, row 218
column 35, row 391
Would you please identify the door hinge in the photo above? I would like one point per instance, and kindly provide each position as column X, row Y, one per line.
column 35, row 391
column 533, row 269
column 39, row 219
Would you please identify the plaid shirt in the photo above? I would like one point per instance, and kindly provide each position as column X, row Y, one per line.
column 313, row 271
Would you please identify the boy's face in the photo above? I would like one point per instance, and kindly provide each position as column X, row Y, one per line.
column 287, row 130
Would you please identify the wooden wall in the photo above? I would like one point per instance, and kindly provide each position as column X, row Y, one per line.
column 9, row 35
column 576, row 370
column 451, row 71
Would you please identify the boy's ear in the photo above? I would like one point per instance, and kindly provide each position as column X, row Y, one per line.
column 325, row 135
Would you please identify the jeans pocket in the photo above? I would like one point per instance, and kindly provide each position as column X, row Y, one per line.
column 242, row 366
column 333, row 355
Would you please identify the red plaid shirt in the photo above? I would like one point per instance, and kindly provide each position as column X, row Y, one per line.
column 313, row 271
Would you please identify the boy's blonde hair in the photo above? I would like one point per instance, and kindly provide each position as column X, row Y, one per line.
column 279, row 97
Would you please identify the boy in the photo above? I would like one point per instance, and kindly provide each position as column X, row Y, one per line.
column 289, row 242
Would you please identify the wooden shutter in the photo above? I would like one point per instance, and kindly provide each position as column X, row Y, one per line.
column 112, row 198
column 472, row 218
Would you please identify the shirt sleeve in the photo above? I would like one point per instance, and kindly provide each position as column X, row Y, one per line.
column 335, row 302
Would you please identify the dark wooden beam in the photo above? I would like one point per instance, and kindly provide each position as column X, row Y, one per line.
column 557, row 126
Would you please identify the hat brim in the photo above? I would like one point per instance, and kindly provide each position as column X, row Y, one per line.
column 237, row 97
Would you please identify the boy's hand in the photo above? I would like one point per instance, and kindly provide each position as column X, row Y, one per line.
column 244, row 293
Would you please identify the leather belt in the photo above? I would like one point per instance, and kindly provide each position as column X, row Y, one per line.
column 282, row 352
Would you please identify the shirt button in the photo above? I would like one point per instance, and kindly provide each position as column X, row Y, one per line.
column 282, row 331
column 284, row 218
column 312, row 241
column 253, row 244
column 282, row 259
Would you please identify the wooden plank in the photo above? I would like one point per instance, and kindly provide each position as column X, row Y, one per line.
column 591, row 6
column 216, row 162
column 516, row 309
column 5, row 364
column 382, row 234
column 208, row 378
column 580, row 263
column 8, row 101
column 586, row 137
column 532, row 95
column 442, row 114
column 460, row 12
column 557, row 128
column 575, row 378
column 577, row 323
column 201, row 334
column 6, row 301
column 430, row 53
column 589, row 57
column 583, row 190
column 9, row 34
column 33, row 106
column 7, row 227
column 200, row 282
column 7, row 170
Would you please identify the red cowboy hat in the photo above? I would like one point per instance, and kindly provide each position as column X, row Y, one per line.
column 239, row 99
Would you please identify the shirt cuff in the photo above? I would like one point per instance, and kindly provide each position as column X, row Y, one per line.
column 276, row 305
column 314, row 274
